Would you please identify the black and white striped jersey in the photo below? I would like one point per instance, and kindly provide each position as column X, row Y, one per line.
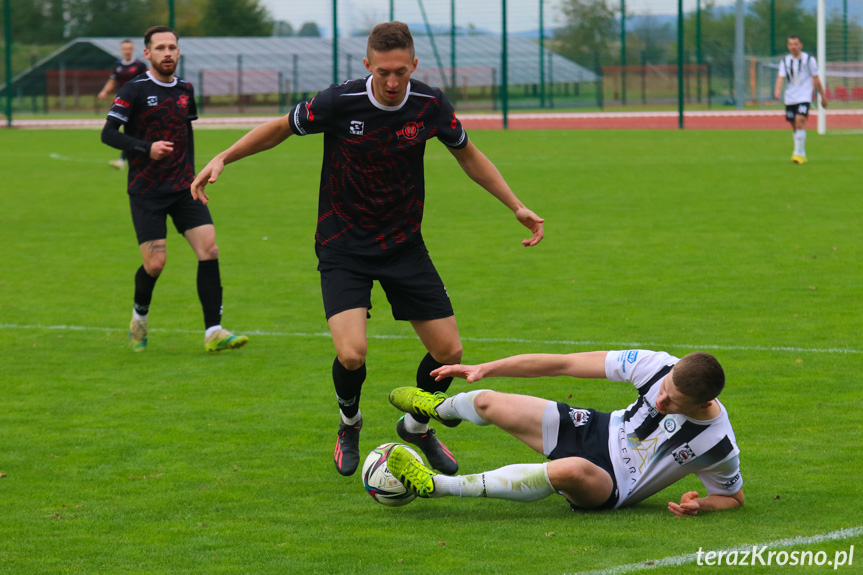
column 651, row 451
column 798, row 73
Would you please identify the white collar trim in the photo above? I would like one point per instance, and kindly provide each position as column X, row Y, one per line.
column 377, row 104
column 160, row 83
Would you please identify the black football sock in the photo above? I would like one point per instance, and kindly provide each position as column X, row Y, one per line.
column 210, row 292
column 427, row 382
column 349, row 385
column 144, row 285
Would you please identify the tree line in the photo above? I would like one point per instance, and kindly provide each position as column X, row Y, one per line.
column 591, row 32
column 38, row 22
column 588, row 30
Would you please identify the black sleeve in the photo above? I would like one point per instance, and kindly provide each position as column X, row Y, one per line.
column 112, row 136
column 191, row 151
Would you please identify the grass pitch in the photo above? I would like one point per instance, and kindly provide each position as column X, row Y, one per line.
column 175, row 461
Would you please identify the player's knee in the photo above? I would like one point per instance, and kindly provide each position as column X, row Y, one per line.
column 352, row 359
column 154, row 265
column 483, row 402
column 450, row 355
column 210, row 252
column 571, row 476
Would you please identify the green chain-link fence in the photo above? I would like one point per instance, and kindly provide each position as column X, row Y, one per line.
column 260, row 56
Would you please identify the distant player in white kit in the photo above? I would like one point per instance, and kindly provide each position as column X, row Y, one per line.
column 801, row 71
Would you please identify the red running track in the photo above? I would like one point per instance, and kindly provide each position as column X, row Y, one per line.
column 723, row 120
column 711, row 120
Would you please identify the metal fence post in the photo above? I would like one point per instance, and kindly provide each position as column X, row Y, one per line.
column 240, row 83
column 504, row 80
column 282, row 94
column 772, row 28
column 452, row 48
column 7, row 15
column 295, row 78
column 644, row 77
column 623, row 51
column 739, row 39
column 200, row 91
column 680, row 62
column 541, row 57
column 335, row 42
column 698, row 55
column 599, row 80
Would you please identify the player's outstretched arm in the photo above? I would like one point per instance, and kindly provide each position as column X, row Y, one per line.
column 482, row 171
column 690, row 504
column 262, row 138
column 581, row 365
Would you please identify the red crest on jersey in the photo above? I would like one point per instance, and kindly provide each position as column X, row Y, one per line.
column 410, row 131
column 183, row 101
column 309, row 110
column 121, row 102
column 454, row 122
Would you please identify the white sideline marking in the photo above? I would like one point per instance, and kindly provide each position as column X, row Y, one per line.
column 847, row 533
column 54, row 156
column 598, row 343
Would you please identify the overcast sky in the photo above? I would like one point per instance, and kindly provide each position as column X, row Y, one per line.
column 522, row 14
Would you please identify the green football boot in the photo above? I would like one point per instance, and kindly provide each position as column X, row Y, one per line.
column 413, row 474
column 418, row 402
column 222, row 339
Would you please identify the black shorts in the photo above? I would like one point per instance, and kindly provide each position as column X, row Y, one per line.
column 584, row 433
column 792, row 110
column 411, row 282
column 150, row 212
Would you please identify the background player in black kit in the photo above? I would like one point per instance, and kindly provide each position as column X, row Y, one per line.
column 157, row 110
column 370, row 208
column 124, row 70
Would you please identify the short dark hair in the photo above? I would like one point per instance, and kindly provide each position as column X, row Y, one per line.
column 127, row 41
column 148, row 35
column 390, row 36
column 698, row 376
column 794, row 37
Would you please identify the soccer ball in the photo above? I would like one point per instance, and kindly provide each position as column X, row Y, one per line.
column 380, row 482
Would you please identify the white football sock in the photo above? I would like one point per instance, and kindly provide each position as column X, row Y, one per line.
column 521, row 482
column 138, row 317
column 211, row 330
column 800, row 137
column 351, row 420
column 414, row 426
column 460, row 406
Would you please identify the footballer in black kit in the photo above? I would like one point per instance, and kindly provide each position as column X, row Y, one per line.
column 156, row 110
column 370, row 207
column 372, row 194
column 151, row 110
column 124, row 70
column 372, row 178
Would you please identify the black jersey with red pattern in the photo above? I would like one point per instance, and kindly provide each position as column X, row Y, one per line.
column 372, row 187
column 151, row 111
column 124, row 71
